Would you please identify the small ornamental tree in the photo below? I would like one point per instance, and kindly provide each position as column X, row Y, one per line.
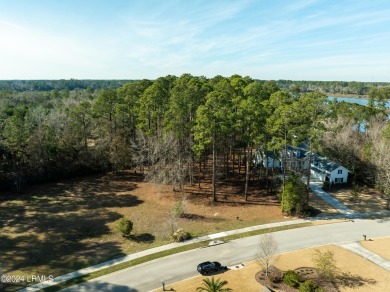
column 124, row 226
column 355, row 193
column 267, row 248
column 180, row 208
column 325, row 264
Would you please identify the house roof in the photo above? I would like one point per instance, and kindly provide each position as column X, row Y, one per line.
column 319, row 171
column 324, row 164
column 299, row 152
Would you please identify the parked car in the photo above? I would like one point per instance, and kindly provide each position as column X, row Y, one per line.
column 210, row 267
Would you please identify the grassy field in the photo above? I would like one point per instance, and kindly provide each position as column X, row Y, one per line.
column 59, row 227
column 55, row 228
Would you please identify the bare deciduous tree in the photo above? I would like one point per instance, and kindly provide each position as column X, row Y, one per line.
column 166, row 160
column 378, row 145
column 268, row 247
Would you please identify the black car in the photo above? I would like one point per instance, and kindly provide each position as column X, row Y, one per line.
column 210, row 267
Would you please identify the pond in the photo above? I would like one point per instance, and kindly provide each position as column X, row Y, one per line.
column 360, row 101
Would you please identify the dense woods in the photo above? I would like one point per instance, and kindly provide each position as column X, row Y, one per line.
column 339, row 87
column 173, row 126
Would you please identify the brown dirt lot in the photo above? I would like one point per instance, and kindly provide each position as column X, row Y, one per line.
column 359, row 276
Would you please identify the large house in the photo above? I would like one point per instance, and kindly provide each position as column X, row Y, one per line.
column 297, row 159
column 325, row 170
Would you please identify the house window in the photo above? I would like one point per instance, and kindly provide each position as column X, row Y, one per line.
column 339, row 180
column 340, row 171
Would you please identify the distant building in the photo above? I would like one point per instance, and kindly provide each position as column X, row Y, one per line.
column 268, row 161
column 297, row 159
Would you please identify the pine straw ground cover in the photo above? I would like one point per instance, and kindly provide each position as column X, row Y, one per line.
column 355, row 273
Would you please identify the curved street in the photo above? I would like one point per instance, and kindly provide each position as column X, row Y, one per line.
column 148, row 276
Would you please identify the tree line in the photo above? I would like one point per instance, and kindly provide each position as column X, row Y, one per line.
column 333, row 87
column 181, row 129
column 62, row 84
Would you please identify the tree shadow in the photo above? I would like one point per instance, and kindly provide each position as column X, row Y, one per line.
column 192, row 216
column 63, row 226
column 353, row 281
column 219, row 272
column 144, row 237
column 10, row 214
column 62, row 243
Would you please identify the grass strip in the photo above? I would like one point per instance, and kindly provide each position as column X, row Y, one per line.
column 266, row 230
column 161, row 254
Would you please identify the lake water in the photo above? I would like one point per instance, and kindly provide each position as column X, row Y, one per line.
column 354, row 100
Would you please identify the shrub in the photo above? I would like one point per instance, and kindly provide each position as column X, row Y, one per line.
column 181, row 235
column 124, row 226
column 308, row 286
column 180, row 208
column 292, row 279
column 326, row 186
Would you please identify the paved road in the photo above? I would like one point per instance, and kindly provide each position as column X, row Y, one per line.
column 148, row 276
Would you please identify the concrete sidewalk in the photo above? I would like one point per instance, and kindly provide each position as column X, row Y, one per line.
column 86, row 271
column 357, row 248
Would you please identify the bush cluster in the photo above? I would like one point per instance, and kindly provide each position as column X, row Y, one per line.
column 124, row 226
column 181, row 235
column 292, row 279
column 310, row 286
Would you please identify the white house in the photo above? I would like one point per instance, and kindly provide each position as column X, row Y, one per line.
column 268, row 161
column 272, row 162
column 325, row 170
column 297, row 159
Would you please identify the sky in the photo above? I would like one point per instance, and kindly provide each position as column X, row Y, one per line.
column 128, row 39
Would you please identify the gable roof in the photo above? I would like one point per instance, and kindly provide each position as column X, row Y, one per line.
column 296, row 152
column 322, row 163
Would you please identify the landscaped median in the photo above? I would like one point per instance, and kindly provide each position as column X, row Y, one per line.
column 157, row 252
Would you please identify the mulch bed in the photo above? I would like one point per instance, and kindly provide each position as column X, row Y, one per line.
column 277, row 284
